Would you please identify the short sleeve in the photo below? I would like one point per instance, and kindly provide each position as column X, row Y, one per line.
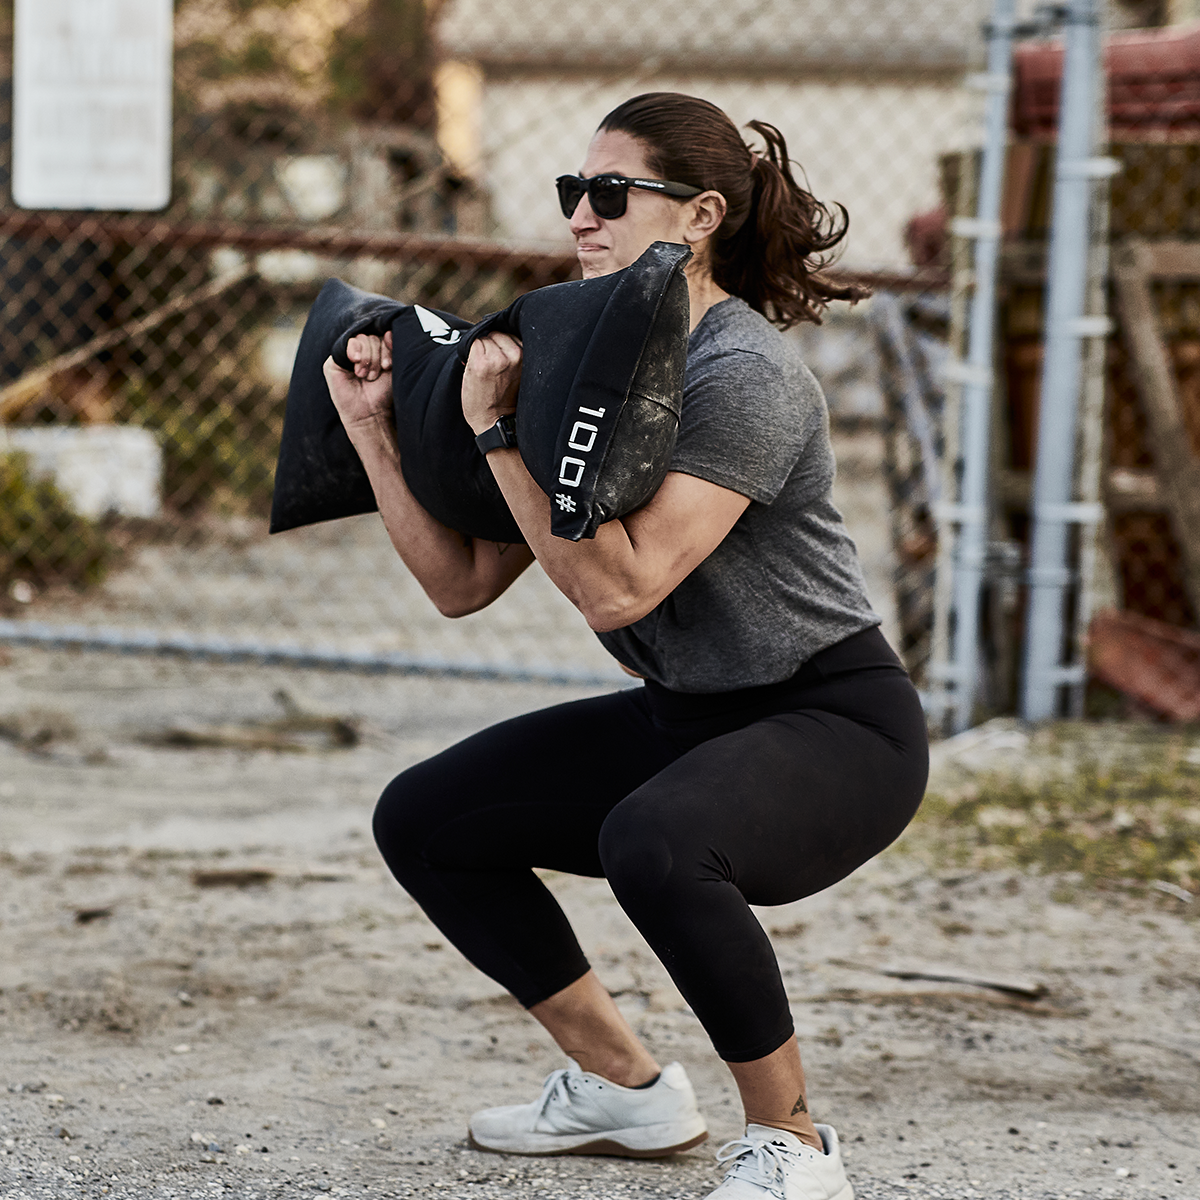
column 743, row 427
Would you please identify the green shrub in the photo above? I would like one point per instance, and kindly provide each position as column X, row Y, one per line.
column 41, row 539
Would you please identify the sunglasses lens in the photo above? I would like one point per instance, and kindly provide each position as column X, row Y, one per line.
column 570, row 191
column 607, row 195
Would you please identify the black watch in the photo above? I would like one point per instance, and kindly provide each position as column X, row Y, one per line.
column 501, row 436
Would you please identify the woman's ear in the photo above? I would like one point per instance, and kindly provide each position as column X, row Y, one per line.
column 708, row 211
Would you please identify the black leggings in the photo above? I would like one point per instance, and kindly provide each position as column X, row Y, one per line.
column 693, row 807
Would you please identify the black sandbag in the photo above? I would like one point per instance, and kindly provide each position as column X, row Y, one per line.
column 597, row 413
column 318, row 475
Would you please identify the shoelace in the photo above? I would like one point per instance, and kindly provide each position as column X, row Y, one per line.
column 556, row 1089
column 757, row 1162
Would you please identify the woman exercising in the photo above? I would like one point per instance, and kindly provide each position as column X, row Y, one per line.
column 775, row 743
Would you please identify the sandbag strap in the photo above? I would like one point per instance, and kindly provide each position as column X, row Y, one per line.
column 376, row 321
column 602, row 386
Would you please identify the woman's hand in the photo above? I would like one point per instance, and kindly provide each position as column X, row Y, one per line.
column 365, row 394
column 491, row 380
column 459, row 574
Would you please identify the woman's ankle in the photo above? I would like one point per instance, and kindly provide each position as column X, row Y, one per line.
column 631, row 1071
column 806, row 1131
column 583, row 1015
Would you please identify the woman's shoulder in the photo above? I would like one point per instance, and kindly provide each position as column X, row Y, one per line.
column 733, row 337
column 750, row 406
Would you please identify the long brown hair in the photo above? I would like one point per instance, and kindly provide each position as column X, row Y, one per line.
column 773, row 245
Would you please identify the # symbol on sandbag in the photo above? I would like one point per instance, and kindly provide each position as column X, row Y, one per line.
column 438, row 329
column 566, row 503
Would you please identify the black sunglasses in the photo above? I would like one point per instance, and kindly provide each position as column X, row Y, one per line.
column 608, row 194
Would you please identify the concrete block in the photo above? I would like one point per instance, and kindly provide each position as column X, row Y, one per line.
column 101, row 469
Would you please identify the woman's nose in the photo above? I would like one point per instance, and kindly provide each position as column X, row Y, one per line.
column 583, row 220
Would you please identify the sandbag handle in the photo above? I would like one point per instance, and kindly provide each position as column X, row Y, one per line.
column 507, row 320
column 377, row 324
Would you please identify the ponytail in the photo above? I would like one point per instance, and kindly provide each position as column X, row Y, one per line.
column 775, row 260
column 774, row 245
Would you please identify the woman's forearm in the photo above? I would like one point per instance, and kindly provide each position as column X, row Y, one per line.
column 599, row 575
column 460, row 574
column 631, row 564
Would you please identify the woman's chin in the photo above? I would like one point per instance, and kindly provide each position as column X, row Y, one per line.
column 597, row 262
column 593, row 269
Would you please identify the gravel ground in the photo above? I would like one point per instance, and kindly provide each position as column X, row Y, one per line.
column 168, row 1033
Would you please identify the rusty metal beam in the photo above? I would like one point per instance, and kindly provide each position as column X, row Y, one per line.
column 327, row 239
column 526, row 261
column 1172, row 261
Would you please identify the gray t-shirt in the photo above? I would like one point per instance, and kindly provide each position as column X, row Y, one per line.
column 785, row 582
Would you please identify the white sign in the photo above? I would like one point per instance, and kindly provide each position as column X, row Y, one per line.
column 92, row 104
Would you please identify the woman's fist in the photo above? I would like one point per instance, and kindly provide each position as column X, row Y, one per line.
column 365, row 393
column 490, row 380
column 370, row 355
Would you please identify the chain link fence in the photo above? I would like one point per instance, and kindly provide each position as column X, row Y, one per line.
column 410, row 148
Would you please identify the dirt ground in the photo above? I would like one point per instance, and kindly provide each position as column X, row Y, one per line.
column 210, row 986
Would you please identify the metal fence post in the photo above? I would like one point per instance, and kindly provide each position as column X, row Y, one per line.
column 1065, row 326
column 975, row 375
column 1096, row 582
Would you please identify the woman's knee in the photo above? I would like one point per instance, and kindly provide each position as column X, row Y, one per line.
column 642, row 853
column 401, row 823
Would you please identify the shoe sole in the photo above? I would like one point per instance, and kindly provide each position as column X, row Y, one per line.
column 602, row 1146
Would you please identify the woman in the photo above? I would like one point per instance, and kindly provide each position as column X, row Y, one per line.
column 776, row 742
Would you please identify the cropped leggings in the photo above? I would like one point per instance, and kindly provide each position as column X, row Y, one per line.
column 693, row 807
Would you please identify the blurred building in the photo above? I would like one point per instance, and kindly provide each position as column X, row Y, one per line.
column 868, row 93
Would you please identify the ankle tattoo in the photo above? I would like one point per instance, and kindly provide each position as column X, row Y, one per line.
column 800, row 1106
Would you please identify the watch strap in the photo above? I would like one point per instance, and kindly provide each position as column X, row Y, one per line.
column 501, row 436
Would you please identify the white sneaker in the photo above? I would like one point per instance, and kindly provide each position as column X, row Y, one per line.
column 581, row 1113
column 772, row 1162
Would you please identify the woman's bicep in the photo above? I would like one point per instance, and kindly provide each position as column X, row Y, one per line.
column 495, row 567
column 503, row 562
column 679, row 528
column 633, row 563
